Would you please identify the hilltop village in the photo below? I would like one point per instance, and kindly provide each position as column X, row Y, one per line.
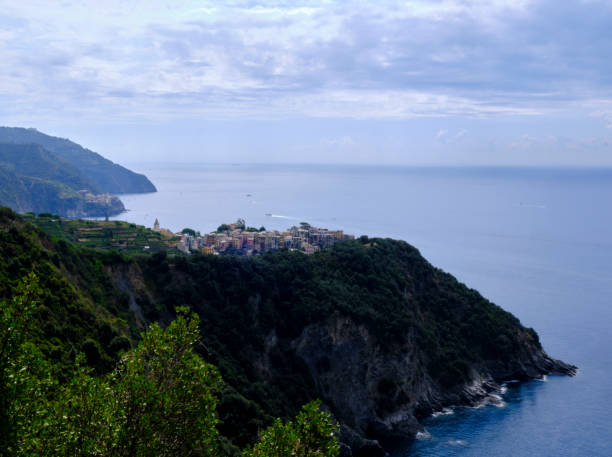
column 239, row 239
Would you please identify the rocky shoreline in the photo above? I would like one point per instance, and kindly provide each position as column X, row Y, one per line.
column 380, row 399
column 378, row 385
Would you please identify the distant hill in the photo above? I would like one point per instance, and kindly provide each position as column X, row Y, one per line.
column 103, row 175
column 33, row 179
column 34, row 160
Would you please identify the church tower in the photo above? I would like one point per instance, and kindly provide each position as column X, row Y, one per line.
column 156, row 226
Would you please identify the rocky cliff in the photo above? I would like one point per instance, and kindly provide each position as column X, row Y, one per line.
column 381, row 393
column 370, row 327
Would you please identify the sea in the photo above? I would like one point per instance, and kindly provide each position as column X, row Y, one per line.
column 536, row 241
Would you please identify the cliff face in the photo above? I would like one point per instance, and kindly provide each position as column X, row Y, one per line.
column 381, row 393
column 382, row 350
column 368, row 326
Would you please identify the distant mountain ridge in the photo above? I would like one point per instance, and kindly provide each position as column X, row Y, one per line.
column 41, row 173
column 33, row 179
column 106, row 176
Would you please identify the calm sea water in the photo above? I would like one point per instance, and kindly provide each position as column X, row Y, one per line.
column 536, row 241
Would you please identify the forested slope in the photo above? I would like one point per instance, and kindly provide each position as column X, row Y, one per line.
column 104, row 174
column 369, row 326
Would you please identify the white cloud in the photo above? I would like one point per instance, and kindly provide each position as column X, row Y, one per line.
column 397, row 60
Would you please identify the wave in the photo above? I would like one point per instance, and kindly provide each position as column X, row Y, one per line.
column 280, row 216
column 423, row 435
column 458, row 443
column 491, row 399
column 443, row 412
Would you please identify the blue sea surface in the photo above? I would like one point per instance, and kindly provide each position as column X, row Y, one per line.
column 538, row 242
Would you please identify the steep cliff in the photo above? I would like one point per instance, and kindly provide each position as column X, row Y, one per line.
column 373, row 329
column 368, row 326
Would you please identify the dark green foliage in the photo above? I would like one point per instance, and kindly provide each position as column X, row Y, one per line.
column 106, row 235
column 382, row 284
column 34, row 179
column 160, row 399
column 312, row 434
column 223, row 228
column 36, row 162
column 47, row 215
column 102, row 173
column 15, row 386
column 189, row 231
column 79, row 303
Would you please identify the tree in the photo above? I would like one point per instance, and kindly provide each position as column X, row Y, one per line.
column 160, row 401
column 25, row 379
column 312, row 434
column 167, row 394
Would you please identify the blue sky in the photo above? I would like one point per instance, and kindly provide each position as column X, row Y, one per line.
column 495, row 82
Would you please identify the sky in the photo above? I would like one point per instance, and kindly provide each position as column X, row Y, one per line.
column 439, row 82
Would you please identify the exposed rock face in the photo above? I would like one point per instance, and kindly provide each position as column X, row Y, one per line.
column 379, row 394
column 388, row 343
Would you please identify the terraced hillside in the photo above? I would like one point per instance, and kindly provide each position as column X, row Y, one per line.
column 118, row 235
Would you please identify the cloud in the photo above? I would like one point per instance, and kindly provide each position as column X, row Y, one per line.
column 390, row 60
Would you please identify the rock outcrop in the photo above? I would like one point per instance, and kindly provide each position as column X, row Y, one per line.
column 381, row 393
column 370, row 327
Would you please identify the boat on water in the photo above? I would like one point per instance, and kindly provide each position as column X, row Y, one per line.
column 269, row 214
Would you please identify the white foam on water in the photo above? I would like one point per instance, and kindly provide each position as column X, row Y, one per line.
column 423, row 435
column 503, row 389
column 458, row 443
column 279, row 216
column 491, row 399
column 544, row 378
column 444, row 412
column 496, row 400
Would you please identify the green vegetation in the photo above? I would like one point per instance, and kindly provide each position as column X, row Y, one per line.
column 105, row 175
column 313, row 434
column 191, row 232
column 107, row 235
column 96, row 302
column 34, row 179
column 159, row 400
